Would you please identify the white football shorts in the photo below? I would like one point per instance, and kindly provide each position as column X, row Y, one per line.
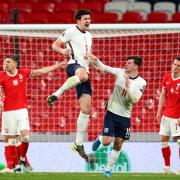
column 169, row 127
column 15, row 121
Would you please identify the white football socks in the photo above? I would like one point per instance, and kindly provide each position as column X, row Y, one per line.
column 69, row 83
column 82, row 124
column 113, row 157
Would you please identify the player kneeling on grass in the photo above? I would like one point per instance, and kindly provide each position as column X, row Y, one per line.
column 128, row 89
column 15, row 118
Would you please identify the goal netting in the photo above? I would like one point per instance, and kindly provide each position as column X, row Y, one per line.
column 158, row 45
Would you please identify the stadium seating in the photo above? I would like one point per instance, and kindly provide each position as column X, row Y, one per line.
column 8, row 1
column 69, row 6
column 132, row 17
column 61, row 17
column 52, row 1
column 116, row 7
column 166, row 7
column 22, row 7
column 78, row 1
column 157, row 17
column 38, row 18
column 105, row 18
column 119, row 7
column 95, row 6
column 43, row 7
column 4, row 8
column 124, row 1
column 22, row 1
column 176, row 17
column 143, row 7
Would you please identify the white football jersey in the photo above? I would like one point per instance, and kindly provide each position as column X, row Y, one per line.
column 80, row 43
column 119, row 102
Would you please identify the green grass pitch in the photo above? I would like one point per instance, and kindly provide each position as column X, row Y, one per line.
column 87, row 176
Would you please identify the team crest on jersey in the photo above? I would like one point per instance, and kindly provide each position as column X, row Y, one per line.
column 106, row 130
column 20, row 76
column 15, row 82
column 177, row 87
column 172, row 90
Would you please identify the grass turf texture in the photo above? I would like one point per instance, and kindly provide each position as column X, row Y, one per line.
column 87, row 176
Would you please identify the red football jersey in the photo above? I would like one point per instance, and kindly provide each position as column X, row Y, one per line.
column 172, row 86
column 14, row 89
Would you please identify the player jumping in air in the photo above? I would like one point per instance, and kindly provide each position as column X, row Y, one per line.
column 78, row 41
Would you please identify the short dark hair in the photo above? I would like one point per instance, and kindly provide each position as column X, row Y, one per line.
column 137, row 60
column 81, row 13
column 178, row 58
column 13, row 57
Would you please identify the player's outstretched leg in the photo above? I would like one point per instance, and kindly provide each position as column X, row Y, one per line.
column 68, row 84
column 80, row 151
column 107, row 173
column 96, row 144
column 51, row 100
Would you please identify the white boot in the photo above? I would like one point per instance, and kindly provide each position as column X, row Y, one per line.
column 177, row 172
column 167, row 170
column 7, row 170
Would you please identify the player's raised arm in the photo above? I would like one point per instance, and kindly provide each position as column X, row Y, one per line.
column 48, row 69
column 57, row 46
column 94, row 60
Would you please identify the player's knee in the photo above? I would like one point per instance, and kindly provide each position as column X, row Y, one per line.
column 82, row 122
column 12, row 141
column 86, row 109
column 164, row 144
column 106, row 142
column 83, row 77
column 117, row 146
column 25, row 139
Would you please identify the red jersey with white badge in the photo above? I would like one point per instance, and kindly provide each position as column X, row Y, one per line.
column 14, row 88
column 172, row 86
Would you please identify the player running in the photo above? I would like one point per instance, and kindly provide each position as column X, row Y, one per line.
column 128, row 89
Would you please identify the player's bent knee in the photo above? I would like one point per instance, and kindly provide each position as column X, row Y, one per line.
column 106, row 142
column 25, row 139
column 86, row 110
column 83, row 77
